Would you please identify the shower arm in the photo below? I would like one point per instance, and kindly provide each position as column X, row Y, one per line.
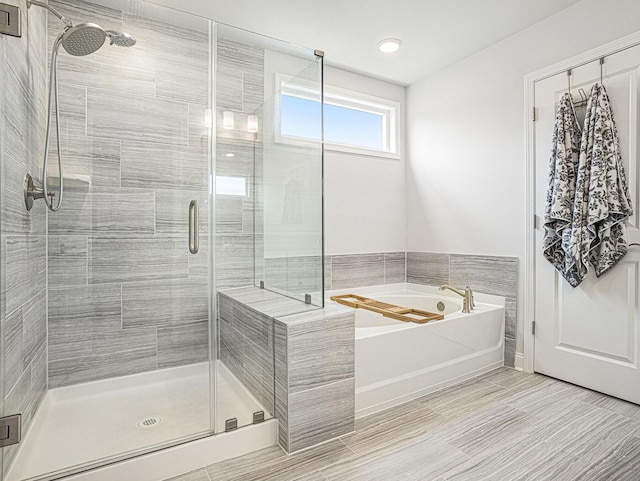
column 64, row 19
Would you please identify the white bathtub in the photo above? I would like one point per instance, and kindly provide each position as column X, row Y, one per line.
column 398, row 361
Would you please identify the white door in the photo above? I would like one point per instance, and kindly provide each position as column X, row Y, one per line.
column 590, row 335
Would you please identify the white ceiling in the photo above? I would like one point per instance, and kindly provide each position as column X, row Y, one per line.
column 435, row 33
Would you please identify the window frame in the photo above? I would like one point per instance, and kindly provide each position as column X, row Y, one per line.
column 390, row 111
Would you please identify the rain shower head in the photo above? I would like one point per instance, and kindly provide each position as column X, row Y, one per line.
column 83, row 39
column 120, row 39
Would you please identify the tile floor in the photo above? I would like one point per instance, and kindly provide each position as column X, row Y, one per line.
column 504, row 425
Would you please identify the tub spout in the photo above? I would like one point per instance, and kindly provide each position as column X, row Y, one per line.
column 467, row 296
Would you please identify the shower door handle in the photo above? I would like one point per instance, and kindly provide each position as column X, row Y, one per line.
column 193, row 227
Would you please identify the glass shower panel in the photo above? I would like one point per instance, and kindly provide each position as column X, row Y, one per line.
column 248, row 71
column 127, row 337
column 291, row 171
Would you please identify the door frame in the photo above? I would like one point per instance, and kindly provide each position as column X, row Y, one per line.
column 623, row 43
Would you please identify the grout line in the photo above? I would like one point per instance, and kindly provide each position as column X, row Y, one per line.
column 119, row 162
column 86, row 261
column 405, row 265
column 322, row 474
column 86, row 111
column 156, row 331
column 206, row 471
column 347, row 446
column 384, row 268
column 121, row 306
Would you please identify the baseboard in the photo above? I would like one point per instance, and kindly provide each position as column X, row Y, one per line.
column 519, row 362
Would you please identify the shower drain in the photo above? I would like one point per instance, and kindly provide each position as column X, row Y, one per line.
column 148, row 422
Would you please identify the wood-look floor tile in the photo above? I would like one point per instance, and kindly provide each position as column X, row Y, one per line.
column 420, row 459
column 580, row 436
column 544, row 395
column 612, row 404
column 449, row 394
column 394, row 429
column 487, row 429
column 623, row 464
column 525, row 460
column 586, row 431
column 274, row 465
column 197, row 475
column 394, row 412
column 472, row 403
column 315, row 476
column 510, row 378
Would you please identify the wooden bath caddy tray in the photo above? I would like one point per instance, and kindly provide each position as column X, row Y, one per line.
column 400, row 313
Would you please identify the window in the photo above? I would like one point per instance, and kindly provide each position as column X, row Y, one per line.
column 231, row 186
column 353, row 122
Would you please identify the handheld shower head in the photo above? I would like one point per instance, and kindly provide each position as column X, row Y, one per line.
column 78, row 40
column 83, row 39
column 120, row 39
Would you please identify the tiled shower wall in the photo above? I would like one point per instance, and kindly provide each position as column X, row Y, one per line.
column 125, row 295
column 239, row 89
column 23, row 101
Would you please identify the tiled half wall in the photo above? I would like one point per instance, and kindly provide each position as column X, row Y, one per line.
column 495, row 275
column 310, row 351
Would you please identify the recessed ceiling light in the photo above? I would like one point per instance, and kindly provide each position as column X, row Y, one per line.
column 229, row 154
column 389, row 45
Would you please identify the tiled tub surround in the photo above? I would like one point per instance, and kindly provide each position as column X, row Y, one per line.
column 23, row 332
column 314, row 361
column 125, row 296
column 485, row 274
column 399, row 361
column 493, row 275
column 358, row 270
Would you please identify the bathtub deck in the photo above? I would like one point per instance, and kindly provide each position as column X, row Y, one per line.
column 503, row 425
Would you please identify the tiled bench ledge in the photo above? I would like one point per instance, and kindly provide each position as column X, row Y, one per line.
column 314, row 361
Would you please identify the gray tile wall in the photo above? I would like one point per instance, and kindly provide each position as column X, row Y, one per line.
column 486, row 274
column 239, row 89
column 310, row 353
column 245, row 323
column 23, row 332
column 125, row 295
column 315, row 376
column 297, row 275
column 359, row 270
column 246, row 347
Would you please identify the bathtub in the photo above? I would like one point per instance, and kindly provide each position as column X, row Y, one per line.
column 398, row 361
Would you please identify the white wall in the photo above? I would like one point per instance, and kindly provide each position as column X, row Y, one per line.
column 466, row 147
column 364, row 195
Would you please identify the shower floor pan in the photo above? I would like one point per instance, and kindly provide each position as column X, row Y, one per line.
column 79, row 425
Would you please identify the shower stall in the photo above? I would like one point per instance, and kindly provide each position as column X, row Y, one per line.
column 180, row 179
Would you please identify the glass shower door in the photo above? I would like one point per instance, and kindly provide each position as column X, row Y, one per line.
column 119, row 364
column 256, row 172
